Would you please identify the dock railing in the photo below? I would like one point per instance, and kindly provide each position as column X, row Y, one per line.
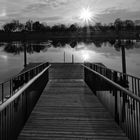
column 120, row 93
column 18, row 97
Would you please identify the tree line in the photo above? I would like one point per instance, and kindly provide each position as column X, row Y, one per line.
column 37, row 26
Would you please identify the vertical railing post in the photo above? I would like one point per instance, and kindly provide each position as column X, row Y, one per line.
column 10, row 87
column 21, row 107
column 116, row 98
column 126, row 109
column 2, row 92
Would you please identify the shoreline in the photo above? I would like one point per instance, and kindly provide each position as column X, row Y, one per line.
column 28, row 36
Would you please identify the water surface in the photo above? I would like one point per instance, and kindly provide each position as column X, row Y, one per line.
column 108, row 53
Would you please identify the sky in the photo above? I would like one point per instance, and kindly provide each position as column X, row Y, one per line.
column 67, row 11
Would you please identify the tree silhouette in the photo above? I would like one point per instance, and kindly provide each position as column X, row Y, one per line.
column 55, row 28
column 28, row 25
column 98, row 26
column 129, row 25
column 97, row 30
column 73, row 28
column 36, row 26
column 12, row 26
column 118, row 24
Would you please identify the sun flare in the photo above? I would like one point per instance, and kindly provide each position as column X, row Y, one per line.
column 86, row 15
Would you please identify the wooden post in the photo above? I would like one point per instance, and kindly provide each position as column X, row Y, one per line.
column 116, row 98
column 124, row 80
column 72, row 58
column 123, row 59
column 64, row 57
column 25, row 56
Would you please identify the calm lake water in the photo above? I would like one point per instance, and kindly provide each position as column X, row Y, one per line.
column 108, row 53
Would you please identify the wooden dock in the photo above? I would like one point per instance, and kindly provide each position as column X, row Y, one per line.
column 68, row 110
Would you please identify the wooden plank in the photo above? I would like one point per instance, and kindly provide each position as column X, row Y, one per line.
column 68, row 110
column 66, row 71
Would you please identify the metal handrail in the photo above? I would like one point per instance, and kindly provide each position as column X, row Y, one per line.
column 21, row 73
column 130, row 82
column 25, row 90
column 129, row 93
column 10, row 100
column 116, row 71
column 11, row 86
column 119, row 93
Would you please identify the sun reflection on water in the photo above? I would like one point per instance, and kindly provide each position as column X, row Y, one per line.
column 5, row 57
column 85, row 55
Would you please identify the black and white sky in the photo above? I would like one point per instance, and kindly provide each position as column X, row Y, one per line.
column 67, row 11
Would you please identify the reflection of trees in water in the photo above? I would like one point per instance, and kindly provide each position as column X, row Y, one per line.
column 18, row 47
column 55, row 43
column 73, row 44
column 98, row 43
column 31, row 47
column 13, row 48
column 128, row 44
column 2, row 44
column 137, row 44
column 112, row 42
column 60, row 42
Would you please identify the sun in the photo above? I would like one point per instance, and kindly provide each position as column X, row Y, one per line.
column 86, row 15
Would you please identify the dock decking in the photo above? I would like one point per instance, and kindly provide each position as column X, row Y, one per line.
column 67, row 109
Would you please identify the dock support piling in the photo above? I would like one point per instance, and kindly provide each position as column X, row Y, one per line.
column 72, row 58
column 25, row 56
column 123, row 59
column 64, row 57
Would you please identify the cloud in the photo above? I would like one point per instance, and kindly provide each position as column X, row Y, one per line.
column 52, row 3
column 43, row 8
column 3, row 13
column 54, row 18
column 67, row 11
column 110, row 14
column 34, row 7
